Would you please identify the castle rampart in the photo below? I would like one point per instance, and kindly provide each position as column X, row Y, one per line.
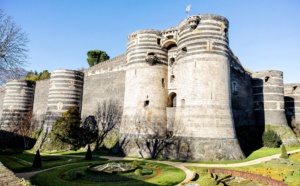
column 102, row 82
column 268, row 91
column 17, row 102
column 268, row 97
column 181, row 88
column 2, row 94
column 65, row 91
column 41, row 100
column 292, row 102
column 145, row 98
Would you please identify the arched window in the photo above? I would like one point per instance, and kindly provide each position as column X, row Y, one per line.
column 172, row 100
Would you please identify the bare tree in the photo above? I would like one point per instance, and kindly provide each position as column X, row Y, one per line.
column 13, row 44
column 108, row 116
column 23, row 124
column 152, row 144
column 13, row 73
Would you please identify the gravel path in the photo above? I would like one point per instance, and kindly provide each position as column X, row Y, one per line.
column 180, row 165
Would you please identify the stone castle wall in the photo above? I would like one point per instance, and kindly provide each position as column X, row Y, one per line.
column 17, row 102
column 268, row 93
column 292, row 102
column 182, row 81
column 241, row 95
column 65, row 91
column 269, row 105
column 2, row 94
column 103, row 82
column 41, row 99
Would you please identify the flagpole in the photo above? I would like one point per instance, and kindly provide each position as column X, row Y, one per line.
column 188, row 9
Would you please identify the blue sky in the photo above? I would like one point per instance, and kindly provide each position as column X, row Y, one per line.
column 264, row 34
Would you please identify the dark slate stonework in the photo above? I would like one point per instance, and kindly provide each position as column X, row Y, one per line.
column 2, row 94
column 41, row 100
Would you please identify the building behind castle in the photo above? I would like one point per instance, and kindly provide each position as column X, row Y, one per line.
column 183, row 81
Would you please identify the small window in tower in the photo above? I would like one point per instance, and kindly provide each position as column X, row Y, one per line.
column 172, row 78
column 163, row 82
column 151, row 54
column 170, row 37
column 267, row 79
column 146, row 103
column 234, row 88
column 225, row 30
column 184, row 49
column 158, row 41
column 295, row 88
column 183, row 103
column 172, row 61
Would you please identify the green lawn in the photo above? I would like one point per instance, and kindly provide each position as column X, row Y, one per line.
column 162, row 175
column 23, row 162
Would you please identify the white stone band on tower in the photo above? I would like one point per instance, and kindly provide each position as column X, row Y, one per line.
column 65, row 91
column 18, row 102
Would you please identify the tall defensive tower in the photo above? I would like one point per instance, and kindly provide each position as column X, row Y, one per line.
column 144, row 115
column 18, row 102
column 65, row 91
column 268, row 91
column 292, row 102
column 203, row 118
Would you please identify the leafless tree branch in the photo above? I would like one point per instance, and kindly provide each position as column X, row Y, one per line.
column 13, row 44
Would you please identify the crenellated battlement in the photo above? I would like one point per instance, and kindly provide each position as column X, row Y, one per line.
column 114, row 64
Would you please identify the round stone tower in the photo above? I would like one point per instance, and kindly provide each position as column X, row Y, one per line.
column 65, row 92
column 292, row 102
column 269, row 108
column 18, row 102
column 203, row 116
column 145, row 100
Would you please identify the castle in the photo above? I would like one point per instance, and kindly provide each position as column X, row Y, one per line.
column 183, row 81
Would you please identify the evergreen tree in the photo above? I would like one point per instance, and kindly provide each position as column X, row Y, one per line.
column 271, row 139
column 68, row 129
column 283, row 152
column 88, row 155
column 37, row 162
column 96, row 56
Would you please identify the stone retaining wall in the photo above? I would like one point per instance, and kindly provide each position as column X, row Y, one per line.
column 7, row 177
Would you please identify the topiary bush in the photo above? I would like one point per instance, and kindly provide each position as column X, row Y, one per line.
column 271, row 139
column 138, row 172
column 283, row 152
column 88, row 155
column 37, row 162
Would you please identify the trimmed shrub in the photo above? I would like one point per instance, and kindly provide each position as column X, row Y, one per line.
column 37, row 162
column 271, row 139
column 138, row 172
column 283, row 152
column 88, row 155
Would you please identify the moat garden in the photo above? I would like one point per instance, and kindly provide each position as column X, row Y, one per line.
column 71, row 168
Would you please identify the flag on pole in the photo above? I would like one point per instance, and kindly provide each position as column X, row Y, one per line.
column 188, row 8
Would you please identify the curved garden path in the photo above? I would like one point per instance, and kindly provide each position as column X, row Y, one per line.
column 180, row 165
